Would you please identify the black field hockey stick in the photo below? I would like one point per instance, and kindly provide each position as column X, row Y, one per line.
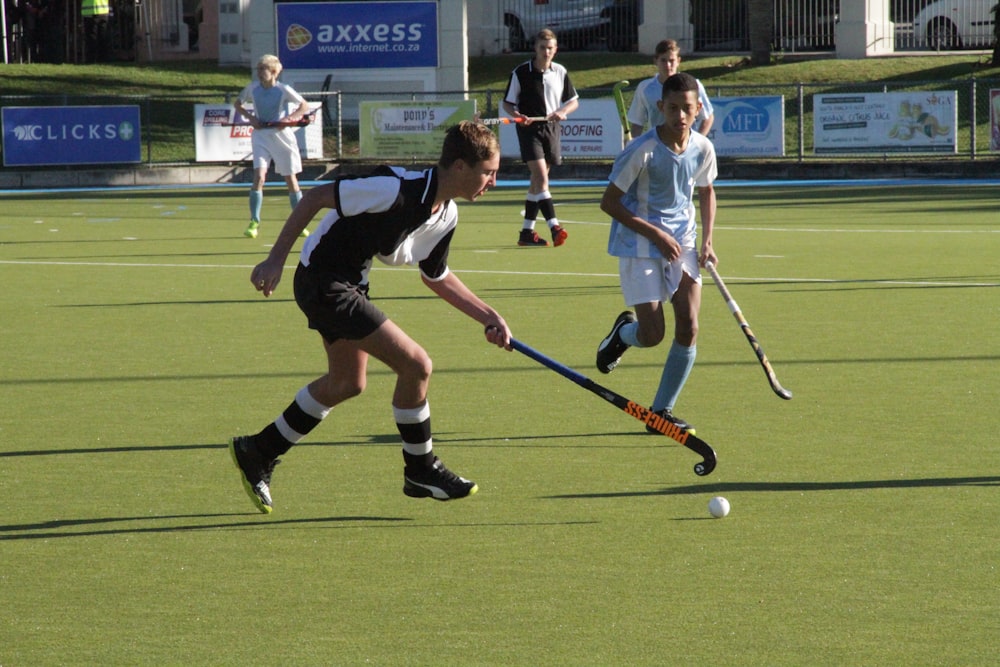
column 772, row 379
column 631, row 408
column 622, row 111
column 307, row 119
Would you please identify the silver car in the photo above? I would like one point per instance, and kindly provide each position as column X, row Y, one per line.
column 573, row 21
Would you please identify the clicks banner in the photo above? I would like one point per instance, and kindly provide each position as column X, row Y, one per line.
column 37, row 136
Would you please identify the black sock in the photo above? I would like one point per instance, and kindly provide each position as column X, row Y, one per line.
column 530, row 209
column 548, row 208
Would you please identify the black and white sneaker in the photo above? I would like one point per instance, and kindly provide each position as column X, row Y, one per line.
column 435, row 481
column 659, row 416
column 256, row 471
column 611, row 349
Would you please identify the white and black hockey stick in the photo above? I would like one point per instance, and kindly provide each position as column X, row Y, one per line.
column 771, row 377
column 631, row 408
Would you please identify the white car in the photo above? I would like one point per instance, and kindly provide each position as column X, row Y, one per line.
column 573, row 21
column 955, row 24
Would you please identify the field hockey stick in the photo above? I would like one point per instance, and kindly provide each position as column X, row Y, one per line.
column 772, row 379
column 622, row 112
column 509, row 121
column 305, row 120
column 631, row 408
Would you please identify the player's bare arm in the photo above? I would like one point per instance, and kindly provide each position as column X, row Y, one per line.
column 266, row 275
column 707, row 208
column 300, row 112
column 611, row 203
column 454, row 291
column 706, row 125
column 565, row 110
column 243, row 111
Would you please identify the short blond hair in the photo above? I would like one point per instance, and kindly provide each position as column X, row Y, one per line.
column 271, row 62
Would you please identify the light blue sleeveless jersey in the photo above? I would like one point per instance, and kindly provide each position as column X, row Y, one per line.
column 659, row 188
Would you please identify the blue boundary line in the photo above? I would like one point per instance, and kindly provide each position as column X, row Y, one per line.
column 741, row 183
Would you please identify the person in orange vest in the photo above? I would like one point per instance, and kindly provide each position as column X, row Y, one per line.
column 95, row 15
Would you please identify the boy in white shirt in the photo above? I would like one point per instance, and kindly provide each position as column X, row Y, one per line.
column 643, row 112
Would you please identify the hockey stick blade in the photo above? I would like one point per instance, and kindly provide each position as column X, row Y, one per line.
column 631, row 408
column 772, row 379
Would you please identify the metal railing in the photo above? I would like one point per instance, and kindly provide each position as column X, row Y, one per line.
column 168, row 121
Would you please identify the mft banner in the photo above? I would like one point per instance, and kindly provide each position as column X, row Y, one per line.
column 749, row 126
column 37, row 136
column 357, row 35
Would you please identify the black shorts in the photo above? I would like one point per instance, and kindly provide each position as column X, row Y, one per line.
column 540, row 141
column 334, row 308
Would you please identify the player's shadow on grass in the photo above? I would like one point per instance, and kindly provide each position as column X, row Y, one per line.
column 798, row 487
column 177, row 523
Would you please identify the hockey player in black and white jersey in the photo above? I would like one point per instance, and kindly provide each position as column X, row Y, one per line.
column 398, row 217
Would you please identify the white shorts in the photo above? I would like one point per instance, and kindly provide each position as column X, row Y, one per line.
column 277, row 145
column 647, row 279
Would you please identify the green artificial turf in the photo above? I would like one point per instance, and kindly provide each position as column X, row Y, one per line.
column 863, row 524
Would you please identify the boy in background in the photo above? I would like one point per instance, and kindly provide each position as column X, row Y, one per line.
column 270, row 99
column 537, row 88
column 644, row 112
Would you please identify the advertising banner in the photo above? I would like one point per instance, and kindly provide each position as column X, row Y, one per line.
column 221, row 135
column 749, row 126
column 593, row 130
column 905, row 122
column 409, row 129
column 357, row 35
column 994, row 120
column 35, row 136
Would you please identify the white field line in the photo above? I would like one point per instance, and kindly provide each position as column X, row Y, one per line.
column 553, row 274
column 812, row 230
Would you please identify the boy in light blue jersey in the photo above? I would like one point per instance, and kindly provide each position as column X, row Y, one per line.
column 270, row 100
column 644, row 113
column 653, row 233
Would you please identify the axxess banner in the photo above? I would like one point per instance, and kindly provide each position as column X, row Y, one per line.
column 37, row 136
column 357, row 35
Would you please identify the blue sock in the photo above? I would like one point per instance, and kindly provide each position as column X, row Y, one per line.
column 256, row 202
column 680, row 360
column 294, row 198
column 630, row 334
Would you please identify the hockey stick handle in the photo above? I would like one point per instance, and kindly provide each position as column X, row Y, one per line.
column 305, row 120
column 622, row 111
column 642, row 413
column 772, row 378
column 509, row 121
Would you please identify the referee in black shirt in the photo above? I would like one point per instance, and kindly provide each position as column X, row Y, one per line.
column 540, row 87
